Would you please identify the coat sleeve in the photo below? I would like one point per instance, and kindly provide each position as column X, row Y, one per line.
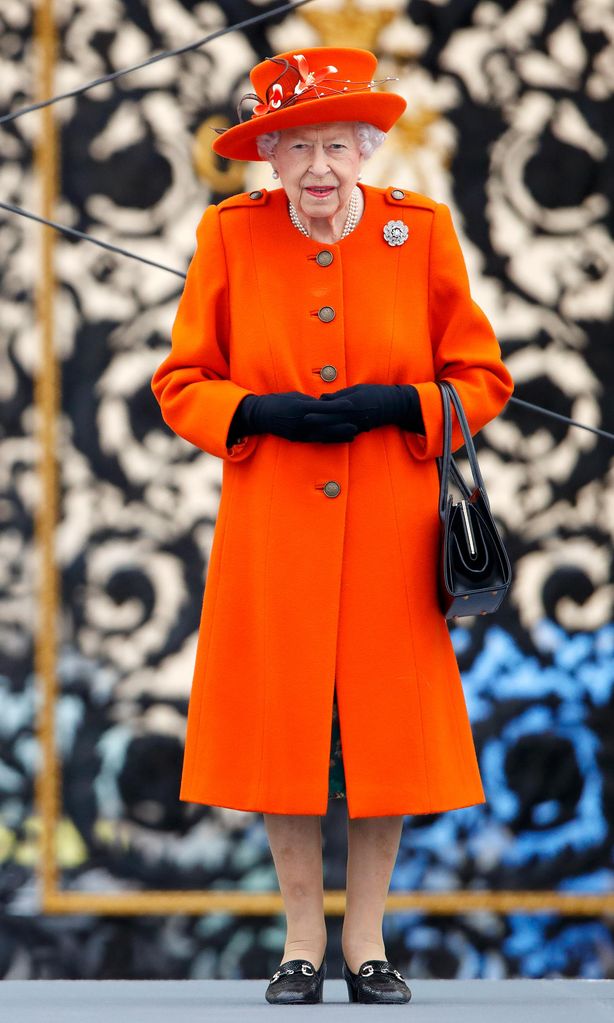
column 465, row 349
column 192, row 385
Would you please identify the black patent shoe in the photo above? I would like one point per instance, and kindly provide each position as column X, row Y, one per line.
column 296, row 982
column 376, row 981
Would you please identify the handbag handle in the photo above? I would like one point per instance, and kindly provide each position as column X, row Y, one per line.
column 446, row 463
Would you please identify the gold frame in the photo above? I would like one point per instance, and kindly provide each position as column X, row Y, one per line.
column 47, row 794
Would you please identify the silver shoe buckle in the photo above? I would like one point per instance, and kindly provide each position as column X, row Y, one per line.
column 367, row 971
column 305, row 968
column 388, row 969
column 278, row 974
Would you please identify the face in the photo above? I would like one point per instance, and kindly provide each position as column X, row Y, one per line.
column 318, row 166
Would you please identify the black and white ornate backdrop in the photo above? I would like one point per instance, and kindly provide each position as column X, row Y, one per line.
column 509, row 121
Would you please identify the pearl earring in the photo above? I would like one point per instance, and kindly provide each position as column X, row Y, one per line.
column 275, row 174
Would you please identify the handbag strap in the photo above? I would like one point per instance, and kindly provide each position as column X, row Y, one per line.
column 458, row 478
column 443, row 462
column 473, row 458
column 446, row 464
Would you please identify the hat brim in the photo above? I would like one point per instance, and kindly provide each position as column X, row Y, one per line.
column 379, row 108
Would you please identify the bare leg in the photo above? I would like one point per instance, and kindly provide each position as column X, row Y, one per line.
column 296, row 846
column 373, row 844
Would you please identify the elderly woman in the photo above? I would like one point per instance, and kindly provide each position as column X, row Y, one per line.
column 315, row 321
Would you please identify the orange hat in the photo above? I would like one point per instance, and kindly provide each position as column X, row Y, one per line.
column 317, row 85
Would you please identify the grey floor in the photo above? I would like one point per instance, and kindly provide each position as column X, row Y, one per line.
column 438, row 1001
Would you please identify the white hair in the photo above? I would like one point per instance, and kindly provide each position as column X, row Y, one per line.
column 368, row 137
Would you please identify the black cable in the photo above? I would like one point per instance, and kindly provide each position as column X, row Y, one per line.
column 565, row 419
column 72, row 232
column 151, row 60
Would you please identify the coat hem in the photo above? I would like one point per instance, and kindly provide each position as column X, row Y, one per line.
column 227, row 805
column 417, row 813
column 203, row 801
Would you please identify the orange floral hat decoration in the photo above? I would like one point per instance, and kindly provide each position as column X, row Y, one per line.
column 320, row 84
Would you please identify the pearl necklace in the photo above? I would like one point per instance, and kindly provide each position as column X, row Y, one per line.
column 350, row 223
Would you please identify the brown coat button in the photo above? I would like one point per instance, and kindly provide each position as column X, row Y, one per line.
column 397, row 193
column 326, row 313
column 255, row 195
column 324, row 257
column 332, row 488
column 328, row 373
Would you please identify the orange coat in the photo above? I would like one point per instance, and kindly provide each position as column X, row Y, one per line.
column 305, row 591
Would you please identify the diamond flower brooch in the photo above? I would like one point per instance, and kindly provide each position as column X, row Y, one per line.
column 396, row 232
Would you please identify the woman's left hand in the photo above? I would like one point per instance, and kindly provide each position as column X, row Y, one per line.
column 381, row 405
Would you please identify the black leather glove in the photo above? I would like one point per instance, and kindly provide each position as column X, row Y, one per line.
column 293, row 415
column 381, row 405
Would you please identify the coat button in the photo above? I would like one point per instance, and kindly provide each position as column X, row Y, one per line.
column 397, row 193
column 326, row 313
column 255, row 195
column 332, row 488
column 328, row 373
column 324, row 257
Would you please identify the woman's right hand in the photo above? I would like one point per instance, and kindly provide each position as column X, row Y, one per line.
column 295, row 416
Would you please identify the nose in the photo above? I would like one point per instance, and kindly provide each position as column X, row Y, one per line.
column 319, row 163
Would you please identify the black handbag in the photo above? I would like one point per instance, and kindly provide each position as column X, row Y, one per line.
column 474, row 569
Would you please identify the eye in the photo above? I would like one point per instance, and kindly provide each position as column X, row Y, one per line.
column 339, row 145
